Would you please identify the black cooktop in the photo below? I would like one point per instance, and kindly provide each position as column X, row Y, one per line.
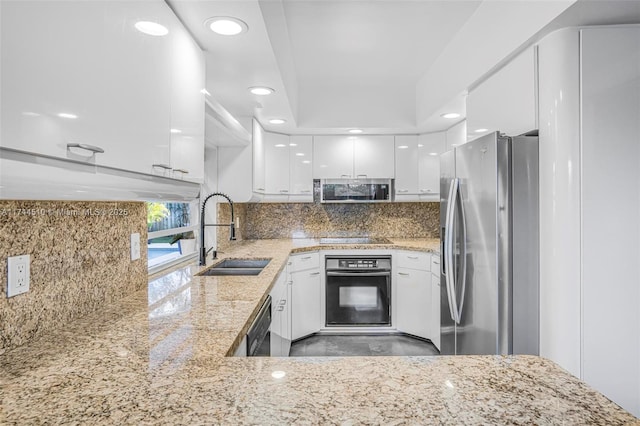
column 355, row 240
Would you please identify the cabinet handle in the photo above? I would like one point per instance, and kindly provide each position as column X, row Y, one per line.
column 305, row 258
column 92, row 148
column 437, row 262
column 280, row 308
column 403, row 190
column 306, row 191
column 413, row 257
column 259, row 189
column 283, row 302
column 161, row 166
column 314, row 273
column 347, row 176
column 181, row 171
column 361, row 176
column 290, row 282
column 284, row 190
column 289, row 263
column 403, row 273
column 425, row 190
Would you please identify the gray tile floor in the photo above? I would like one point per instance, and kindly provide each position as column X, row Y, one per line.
column 361, row 345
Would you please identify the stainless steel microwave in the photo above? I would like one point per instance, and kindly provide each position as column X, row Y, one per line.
column 355, row 190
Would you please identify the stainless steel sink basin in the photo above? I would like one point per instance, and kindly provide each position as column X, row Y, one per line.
column 237, row 267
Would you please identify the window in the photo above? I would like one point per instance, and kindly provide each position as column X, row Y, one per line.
column 171, row 233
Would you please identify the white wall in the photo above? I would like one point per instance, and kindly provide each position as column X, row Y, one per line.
column 456, row 135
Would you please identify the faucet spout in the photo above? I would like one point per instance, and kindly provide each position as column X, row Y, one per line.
column 232, row 230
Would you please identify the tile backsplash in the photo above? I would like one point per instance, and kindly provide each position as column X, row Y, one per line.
column 315, row 220
column 80, row 260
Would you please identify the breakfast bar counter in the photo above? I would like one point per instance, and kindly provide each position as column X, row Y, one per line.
column 159, row 357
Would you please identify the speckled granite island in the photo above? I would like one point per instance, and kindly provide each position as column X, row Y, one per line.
column 158, row 357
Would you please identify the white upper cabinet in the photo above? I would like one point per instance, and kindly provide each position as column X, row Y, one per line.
column 282, row 166
column 373, row 157
column 81, row 73
column 353, row 157
column 276, row 165
column 301, row 167
column 430, row 146
column 506, row 101
column 187, row 103
column 333, row 157
column 418, row 166
column 406, row 158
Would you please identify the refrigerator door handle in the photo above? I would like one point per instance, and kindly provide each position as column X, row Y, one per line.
column 463, row 253
column 448, row 250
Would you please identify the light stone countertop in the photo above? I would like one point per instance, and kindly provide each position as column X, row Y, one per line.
column 157, row 357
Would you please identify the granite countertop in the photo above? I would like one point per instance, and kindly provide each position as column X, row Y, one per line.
column 157, row 357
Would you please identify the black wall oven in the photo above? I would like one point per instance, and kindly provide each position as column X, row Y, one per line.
column 358, row 291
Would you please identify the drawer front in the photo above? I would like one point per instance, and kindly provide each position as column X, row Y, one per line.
column 303, row 261
column 435, row 264
column 414, row 260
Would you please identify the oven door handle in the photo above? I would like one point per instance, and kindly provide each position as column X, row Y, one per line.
column 358, row 274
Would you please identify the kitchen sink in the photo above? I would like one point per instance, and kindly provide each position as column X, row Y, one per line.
column 237, row 267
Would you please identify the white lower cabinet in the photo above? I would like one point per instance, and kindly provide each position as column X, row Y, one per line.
column 280, row 317
column 305, row 297
column 414, row 302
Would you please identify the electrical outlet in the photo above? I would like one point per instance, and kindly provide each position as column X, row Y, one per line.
column 135, row 246
column 18, row 274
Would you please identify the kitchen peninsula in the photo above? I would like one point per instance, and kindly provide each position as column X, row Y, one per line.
column 159, row 357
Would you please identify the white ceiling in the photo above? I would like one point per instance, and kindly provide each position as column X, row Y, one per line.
column 388, row 66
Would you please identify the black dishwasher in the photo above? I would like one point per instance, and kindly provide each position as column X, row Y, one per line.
column 259, row 334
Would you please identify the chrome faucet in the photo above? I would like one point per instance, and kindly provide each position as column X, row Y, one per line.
column 232, row 225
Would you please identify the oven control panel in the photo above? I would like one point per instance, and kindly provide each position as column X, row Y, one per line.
column 359, row 263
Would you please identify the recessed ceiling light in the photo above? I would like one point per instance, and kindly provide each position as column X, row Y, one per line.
column 403, row 146
column 293, row 144
column 277, row 121
column 420, row 145
column 433, row 153
column 280, row 145
column 306, row 162
column 300, row 154
column 261, row 90
column 175, row 131
column 151, row 28
column 355, row 131
column 450, row 115
column 226, row 25
column 67, row 115
column 481, row 130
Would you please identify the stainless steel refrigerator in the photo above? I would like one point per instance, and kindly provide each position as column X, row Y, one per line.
column 489, row 247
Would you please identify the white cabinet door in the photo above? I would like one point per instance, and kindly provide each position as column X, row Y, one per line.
column 406, row 158
column 333, row 157
column 413, row 302
column 301, row 166
column 435, row 310
column 258, row 158
column 305, row 300
column 187, row 104
column 506, row 101
column 79, row 72
column 373, row 157
column 430, row 146
column 276, row 165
